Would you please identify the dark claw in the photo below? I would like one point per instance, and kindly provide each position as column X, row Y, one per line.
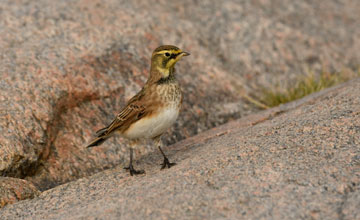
column 167, row 163
column 133, row 171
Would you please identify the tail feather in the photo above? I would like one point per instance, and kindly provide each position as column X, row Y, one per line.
column 96, row 142
column 101, row 137
column 101, row 131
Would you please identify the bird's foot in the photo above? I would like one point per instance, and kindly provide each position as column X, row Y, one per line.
column 166, row 163
column 133, row 171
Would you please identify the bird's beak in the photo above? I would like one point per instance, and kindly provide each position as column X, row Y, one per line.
column 177, row 58
column 182, row 54
column 185, row 53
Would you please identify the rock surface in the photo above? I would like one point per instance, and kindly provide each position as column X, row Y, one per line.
column 298, row 161
column 13, row 190
column 67, row 67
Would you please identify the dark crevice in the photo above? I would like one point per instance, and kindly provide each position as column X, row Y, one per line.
column 115, row 59
column 52, row 129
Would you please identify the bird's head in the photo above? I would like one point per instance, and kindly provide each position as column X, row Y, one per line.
column 164, row 58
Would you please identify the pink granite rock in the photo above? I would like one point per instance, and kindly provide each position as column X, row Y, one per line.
column 13, row 190
column 67, row 67
column 298, row 161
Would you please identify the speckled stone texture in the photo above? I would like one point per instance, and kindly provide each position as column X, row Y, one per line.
column 297, row 162
column 67, row 67
column 14, row 189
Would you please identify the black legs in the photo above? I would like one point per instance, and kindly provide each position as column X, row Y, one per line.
column 166, row 160
column 131, row 168
column 165, row 164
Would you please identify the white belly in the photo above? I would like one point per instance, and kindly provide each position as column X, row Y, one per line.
column 153, row 126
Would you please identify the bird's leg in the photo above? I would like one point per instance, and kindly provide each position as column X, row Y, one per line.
column 166, row 160
column 131, row 168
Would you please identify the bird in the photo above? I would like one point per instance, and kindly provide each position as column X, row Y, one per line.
column 153, row 110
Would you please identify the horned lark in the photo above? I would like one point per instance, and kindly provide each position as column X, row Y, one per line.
column 154, row 109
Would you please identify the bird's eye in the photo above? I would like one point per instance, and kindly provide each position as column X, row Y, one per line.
column 167, row 54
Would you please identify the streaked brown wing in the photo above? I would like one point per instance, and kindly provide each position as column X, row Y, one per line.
column 132, row 112
column 129, row 113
